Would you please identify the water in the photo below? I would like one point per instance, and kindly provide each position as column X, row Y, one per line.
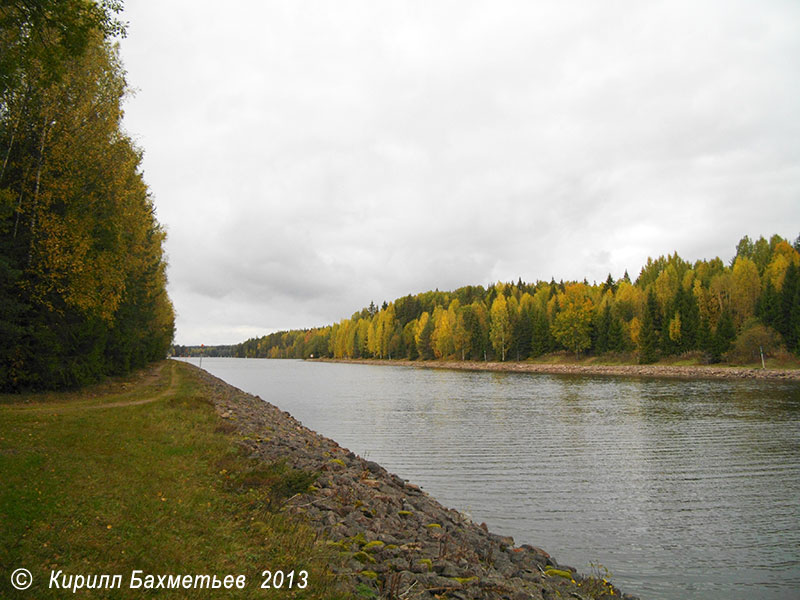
column 681, row 488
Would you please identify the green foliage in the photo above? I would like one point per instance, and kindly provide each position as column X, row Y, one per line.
column 541, row 338
column 424, row 337
column 651, row 331
column 754, row 339
column 723, row 336
column 43, row 35
column 788, row 318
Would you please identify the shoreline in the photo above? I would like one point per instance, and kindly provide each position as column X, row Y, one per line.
column 394, row 539
column 650, row 371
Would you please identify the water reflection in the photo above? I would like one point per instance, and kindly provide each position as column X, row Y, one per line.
column 682, row 488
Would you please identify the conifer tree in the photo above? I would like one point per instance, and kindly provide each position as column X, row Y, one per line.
column 522, row 332
column 768, row 308
column 723, row 336
column 651, row 330
column 409, row 342
column 788, row 322
column 540, row 335
column 424, row 336
column 462, row 336
column 603, row 329
column 616, row 339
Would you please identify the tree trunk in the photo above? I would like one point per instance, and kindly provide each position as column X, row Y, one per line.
column 19, row 202
column 13, row 136
column 39, row 161
column 8, row 154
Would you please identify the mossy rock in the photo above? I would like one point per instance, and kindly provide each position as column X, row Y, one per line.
column 376, row 545
column 433, row 526
column 358, row 539
column 338, row 461
column 466, row 580
column 404, row 513
column 427, row 562
column 551, row 572
column 363, row 557
column 369, row 574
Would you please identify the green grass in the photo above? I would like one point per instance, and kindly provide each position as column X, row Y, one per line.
column 159, row 487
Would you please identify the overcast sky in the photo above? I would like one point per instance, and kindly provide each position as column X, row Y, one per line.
column 308, row 157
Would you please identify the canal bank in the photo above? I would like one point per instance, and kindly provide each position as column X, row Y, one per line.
column 397, row 541
column 659, row 371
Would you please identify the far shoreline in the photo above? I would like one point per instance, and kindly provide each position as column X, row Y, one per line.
column 654, row 371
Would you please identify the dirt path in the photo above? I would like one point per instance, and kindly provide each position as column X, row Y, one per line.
column 173, row 386
column 56, row 407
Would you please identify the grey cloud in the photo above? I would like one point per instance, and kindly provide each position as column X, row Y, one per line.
column 308, row 158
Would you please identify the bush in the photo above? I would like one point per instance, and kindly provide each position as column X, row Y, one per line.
column 754, row 338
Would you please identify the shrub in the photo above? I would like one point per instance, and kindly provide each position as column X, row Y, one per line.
column 753, row 338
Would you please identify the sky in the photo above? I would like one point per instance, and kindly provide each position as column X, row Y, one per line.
column 308, row 157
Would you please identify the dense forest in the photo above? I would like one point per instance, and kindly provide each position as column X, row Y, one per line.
column 82, row 271
column 202, row 350
column 715, row 310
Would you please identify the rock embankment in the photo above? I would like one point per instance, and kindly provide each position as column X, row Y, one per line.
column 396, row 541
column 674, row 371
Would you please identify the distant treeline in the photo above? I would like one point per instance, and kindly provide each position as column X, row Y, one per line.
column 214, row 351
column 673, row 307
column 82, row 272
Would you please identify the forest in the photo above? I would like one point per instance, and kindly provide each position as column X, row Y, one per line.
column 709, row 309
column 82, row 270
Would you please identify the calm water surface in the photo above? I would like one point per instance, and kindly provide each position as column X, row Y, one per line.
column 681, row 488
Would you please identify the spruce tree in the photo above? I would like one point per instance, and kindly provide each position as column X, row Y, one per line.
column 616, row 339
column 651, row 330
column 540, row 335
column 602, row 330
column 424, row 347
column 723, row 336
column 768, row 308
column 788, row 322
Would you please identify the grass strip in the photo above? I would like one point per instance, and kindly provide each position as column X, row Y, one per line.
column 133, row 475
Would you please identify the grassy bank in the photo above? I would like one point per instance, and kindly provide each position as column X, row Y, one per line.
column 780, row 361
column 555, row 365
column 139, row 474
